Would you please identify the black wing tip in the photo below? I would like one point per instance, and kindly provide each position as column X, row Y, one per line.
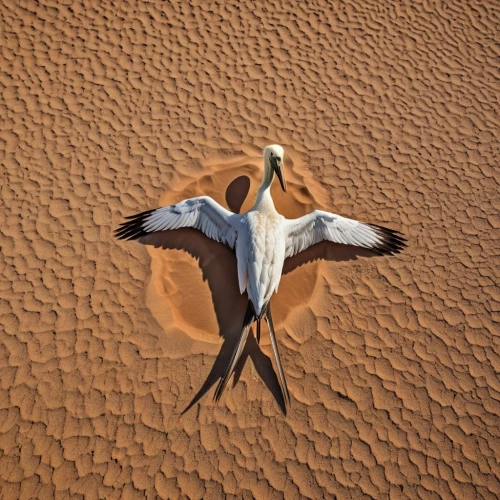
column 140, row 214
column 132, row 228
column 393, row 242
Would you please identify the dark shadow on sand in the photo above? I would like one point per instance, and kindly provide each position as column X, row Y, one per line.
column 218, row 265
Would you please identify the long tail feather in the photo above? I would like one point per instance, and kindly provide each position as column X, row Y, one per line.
column 238, row 349
column 281, row 373
column 258, row 331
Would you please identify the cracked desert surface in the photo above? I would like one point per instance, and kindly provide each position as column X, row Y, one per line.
column 388, row 112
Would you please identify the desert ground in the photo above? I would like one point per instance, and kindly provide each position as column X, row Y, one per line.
column 109, row 350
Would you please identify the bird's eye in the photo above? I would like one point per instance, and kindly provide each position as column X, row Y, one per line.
column 272, row 154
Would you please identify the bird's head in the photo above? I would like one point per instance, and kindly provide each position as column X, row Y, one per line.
column 274, row 159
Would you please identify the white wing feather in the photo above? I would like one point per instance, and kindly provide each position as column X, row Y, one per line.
column 319, row 226
column 201, row 213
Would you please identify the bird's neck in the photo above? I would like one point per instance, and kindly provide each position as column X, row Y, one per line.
column 264, row 194
column 268, row 178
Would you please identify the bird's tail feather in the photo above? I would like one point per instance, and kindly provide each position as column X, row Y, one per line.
column 281, row 373
column 238, row 349
column 248, row 320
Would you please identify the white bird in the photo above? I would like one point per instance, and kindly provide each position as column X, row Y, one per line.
column 262, row 239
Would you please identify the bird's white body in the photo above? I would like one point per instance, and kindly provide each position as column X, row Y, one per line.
column 260, row 250
column 262, row 239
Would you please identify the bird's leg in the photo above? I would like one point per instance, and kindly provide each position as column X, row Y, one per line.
column 281, row 373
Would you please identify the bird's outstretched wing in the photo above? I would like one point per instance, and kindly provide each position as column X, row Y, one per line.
column 318, row 226
column 201, row 213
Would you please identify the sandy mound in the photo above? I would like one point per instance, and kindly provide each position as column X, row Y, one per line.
column 388, row 113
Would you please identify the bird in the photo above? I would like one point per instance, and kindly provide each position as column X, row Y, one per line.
column 262, row 239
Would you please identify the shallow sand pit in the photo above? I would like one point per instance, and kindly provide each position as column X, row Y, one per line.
column 392, row 110
column 194, row 281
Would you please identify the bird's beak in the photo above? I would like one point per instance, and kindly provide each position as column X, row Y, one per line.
column 278, row 168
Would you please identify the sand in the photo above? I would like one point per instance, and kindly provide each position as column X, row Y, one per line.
column 388, row 112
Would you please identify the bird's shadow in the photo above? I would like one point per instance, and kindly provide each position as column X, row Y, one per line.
column 229, row 304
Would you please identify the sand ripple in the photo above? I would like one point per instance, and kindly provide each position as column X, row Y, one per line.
column 390, row 112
